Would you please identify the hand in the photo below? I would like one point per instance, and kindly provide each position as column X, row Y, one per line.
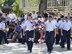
column 4, row 30
column 55, row 35
column 62, row 34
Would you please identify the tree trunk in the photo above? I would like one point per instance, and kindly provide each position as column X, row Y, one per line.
column 42, row 6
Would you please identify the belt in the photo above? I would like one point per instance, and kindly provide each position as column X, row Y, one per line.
column 49, row 31
column 66, row 30
column 30, row 30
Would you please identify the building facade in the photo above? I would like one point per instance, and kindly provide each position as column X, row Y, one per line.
column 59, row 5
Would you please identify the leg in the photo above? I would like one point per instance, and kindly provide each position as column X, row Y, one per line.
column 68, row 41
column 23, row 40
column 27, row 39
column 63, row 39
column 5, row 38
column 0, row 39
column 47, row 44
column 58, row 37
column 51, row 41
column 31, row 41
column 37, row 36
column 47, row 40
column 30, row 45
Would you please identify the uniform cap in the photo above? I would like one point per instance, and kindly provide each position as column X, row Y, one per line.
column 62, row 16
column 50, row 16
column 66, row 17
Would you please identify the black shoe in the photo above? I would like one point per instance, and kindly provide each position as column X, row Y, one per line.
column 57, row 43
column 49, row 52
column 30, row 51
column 7, row 42
column 62, row 46
column 23, row 43
column 68, row 49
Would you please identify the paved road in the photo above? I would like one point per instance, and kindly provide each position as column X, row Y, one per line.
column 17, row 48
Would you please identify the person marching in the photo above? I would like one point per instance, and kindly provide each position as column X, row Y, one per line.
column 58, row 38
column 65, row 31
column 11, row 17
column 3, row 32
column 50, row 33
column 29, row 30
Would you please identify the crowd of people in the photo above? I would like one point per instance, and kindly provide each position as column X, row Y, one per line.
column 36, row 28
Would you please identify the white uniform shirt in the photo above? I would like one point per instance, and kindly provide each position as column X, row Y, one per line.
column 71, row 22
column 2, row 26
column 11, row 16
column 25, row 17
column 28, row 25
column 59, row 24
column 66, row 25
column 50, row 26
column 34, row 16
column 22, row 25
column 54, row 21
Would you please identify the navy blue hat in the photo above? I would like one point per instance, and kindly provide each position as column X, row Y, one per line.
column 50, row 16
column 29, row 14
column 39, row 16
column 66, row 17
column 62, row 16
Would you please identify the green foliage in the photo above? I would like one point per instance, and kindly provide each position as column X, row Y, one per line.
column 16, row 9
column 1, row 2
column 9, row 2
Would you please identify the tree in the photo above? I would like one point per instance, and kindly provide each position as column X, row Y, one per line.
column 42, row 6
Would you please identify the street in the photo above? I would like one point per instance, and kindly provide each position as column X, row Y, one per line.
column 17, row 48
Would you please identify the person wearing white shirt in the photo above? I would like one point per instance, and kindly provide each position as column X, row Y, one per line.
column 12, row 17
column 66, row 29
column 3, row 32
column 25, row 17
column 60, row 22
column 58, row 25
column 50, row 33
column 23, row 32
column 55, row 21
column 28, row 27
column 34, row 15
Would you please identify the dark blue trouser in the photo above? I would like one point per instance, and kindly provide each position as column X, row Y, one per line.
column 49, row 38
column 29, row 34
column 37, row 36
column 3, row 36
column 24, row 38
column 58, row 37
column 66, row 38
